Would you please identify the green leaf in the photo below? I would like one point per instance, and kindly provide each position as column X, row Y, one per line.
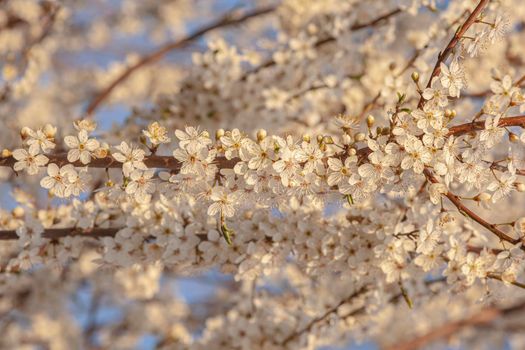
column 406, row 296
column 400, row 98
column 226, row 234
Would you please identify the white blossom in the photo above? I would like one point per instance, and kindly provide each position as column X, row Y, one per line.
column 29, row 160
column 81, row 146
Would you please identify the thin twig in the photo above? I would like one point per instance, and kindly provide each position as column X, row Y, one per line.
column 324, row 316
column 466, row 211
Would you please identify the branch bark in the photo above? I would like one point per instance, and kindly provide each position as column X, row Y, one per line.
column 56, row 233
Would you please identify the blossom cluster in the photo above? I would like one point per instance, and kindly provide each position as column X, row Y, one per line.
column 356, row 171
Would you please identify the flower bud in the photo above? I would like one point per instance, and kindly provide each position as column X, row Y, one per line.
column 307, row 138
column 219, row 133
column 50, row 130
column 448, row 113
column 24, row 133
column 328, row 140
column 370, row 120
column 415, row 77
column 85, row 124
column 6, row 153
column 482, row 197
column 319, row 138
column 261, row 134
column 18, row 212
column 102, row 151
column 360, row 137
column 347, row 139
column 352, row 151
column 513, row 137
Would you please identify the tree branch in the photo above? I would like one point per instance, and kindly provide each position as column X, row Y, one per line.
column 227, row 20
column 355, row 27
column 169, row 162
column 483, row 317
column 56, row 233
column 452, row 44
column 466, row 211
column 463, row 129
column 324, row 316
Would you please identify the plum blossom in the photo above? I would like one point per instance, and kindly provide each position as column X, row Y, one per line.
column 156, row 134
column 140, row 184
column 29, row 161
column 417, row 155
column 81, row 146
column 192, row 136
column 130, row 157
column 223, row 202
column 452, row 78
column 503, row 185
column 57, row 179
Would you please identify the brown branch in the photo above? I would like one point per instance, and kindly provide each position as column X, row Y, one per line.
column 324, row 316
column 355, row 27
column 481, row 318
column 168, row 162
column 442, row 57
column 520, row 81
column 227, row 20
column 153, row 161
column 372, row 103
column 463, row 129
column 56, row 233
column 466, row 211
column 498, row 277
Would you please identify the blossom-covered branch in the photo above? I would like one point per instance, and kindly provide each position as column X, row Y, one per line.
column 227, row 20
column 443, row 55
column 300, row 167
column 355, row 27
column 171, row 163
